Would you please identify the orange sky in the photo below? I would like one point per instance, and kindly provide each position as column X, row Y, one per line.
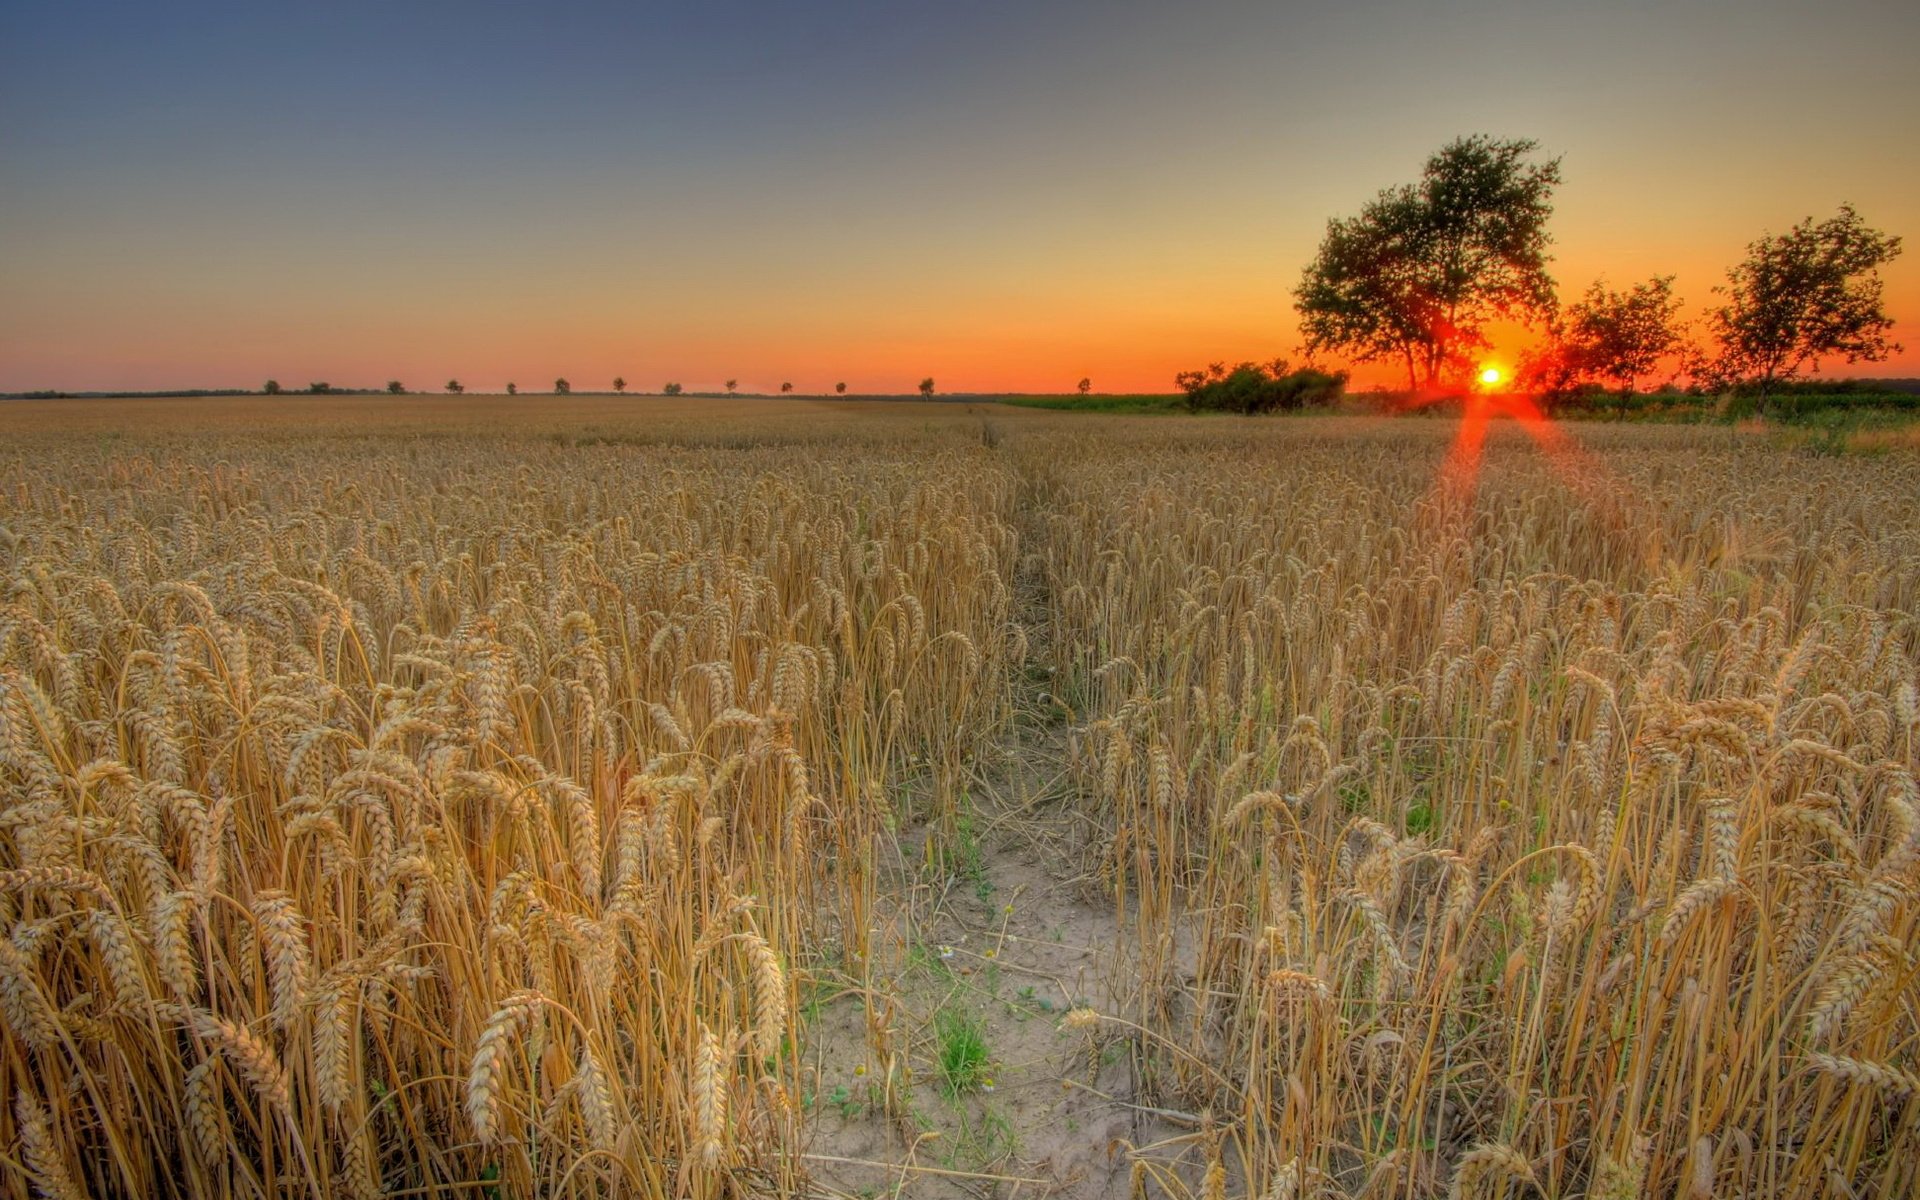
column 1003, row 199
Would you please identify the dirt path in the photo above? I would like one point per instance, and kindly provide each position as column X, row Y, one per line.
column 992, row 951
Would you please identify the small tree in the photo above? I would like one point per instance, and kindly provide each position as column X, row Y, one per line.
column 455, row 387
column 272, row 387
column 671, row 389
column 320, row 389
column 619, row 384
column 1608, row 338
column 513, row 389
column 731, row 384
column 785, row 388
column 396, row 388
column 839, row 389
column 561, row 386
column 1085, row 385
column 1811, row 293
column 926, row 386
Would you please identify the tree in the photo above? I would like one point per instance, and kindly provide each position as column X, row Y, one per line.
column 320, row 389
column 1811, row 293
column 1608, row 338
column 619, row 384
column 561, row 386
column 671, row 389
column 840, row 389
column 731, row 384
column 272, row 387
column 455, row 387
column 785, row 388
column 1086, row 385
column 396, row 388
column 1252, row 387
column 1425, row 267
column 513, row 389
column 926, row 387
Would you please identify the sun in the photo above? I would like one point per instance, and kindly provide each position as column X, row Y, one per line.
column 1490, row 375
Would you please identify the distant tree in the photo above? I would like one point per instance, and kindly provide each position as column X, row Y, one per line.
column 455, row 386
column 272, row 387
column 1085, row 385
column 840, row 389
column 785, row 388
column 1608, row 339
column 1811, row 293
column 561, row 386
column 513, row 389
column 320, row 389
column 671, row 389
column 1252, row 387
column 396, row 388
column 619, row 384
column 926, row 386
column 1424, row 268
column 731, row 384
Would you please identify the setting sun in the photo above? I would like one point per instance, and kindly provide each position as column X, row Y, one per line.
column 1490, row 375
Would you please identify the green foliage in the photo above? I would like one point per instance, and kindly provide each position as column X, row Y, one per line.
column 1425, row 267
column 1813, row 292
column 1251, row 388
column 961, row 1053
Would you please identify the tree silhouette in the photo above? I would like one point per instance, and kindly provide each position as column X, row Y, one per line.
column 619, row 384
column 455, row 387
column 1811, row 293
column 840, row 389
column 1610, row 337
column 1086, row 385
column 320, row 389
column 671, row 389
column 785, row 388
column 731, row 384
column 926, row 386
column 396, row 388
column 513, row 389
column 272, row 387
column 1425, row 267
column 561, row 386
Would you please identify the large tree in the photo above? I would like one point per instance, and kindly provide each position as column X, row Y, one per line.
column 1419, row 274
column 1811, row 293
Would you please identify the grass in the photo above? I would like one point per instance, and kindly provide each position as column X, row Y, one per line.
column 960, row 1051
column 1116, row 403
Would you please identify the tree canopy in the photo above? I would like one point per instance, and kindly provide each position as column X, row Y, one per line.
column 1813, row 292
column 1418, row 275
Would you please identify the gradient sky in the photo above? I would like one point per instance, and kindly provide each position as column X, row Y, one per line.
column 1005, row 196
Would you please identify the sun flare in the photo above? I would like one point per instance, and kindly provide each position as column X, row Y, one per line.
column 1490, row 375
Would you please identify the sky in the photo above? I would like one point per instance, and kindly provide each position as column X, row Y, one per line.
column 1003, row 196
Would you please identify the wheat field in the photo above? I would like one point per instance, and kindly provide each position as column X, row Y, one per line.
column 475, row 798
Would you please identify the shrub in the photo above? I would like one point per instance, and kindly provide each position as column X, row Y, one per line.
column 1252, row 387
